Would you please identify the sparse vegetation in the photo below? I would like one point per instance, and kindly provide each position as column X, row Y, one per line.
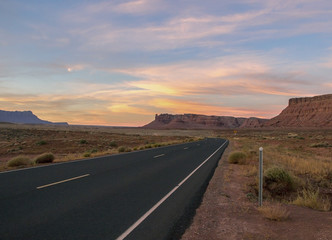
column 45, row 158
column 113, row 144
column 237, row 158
column 320, row 145
column 312, row 199
column 87, row 154
column 72, row 142
column 42, row 142
column 122, row 149
column 83, row 141
column 19, row 161
column 278, row 181
column 274, row 212
column 294, row 163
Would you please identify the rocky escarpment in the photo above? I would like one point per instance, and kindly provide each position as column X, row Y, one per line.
column 26, row 117
column 253, row 122
column 195, row 121
column 305, row 112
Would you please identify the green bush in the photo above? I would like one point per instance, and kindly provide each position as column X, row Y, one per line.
column 278, row 181
column 83, row 141
column 237, row 158
column 87, row 154
column 19, row 161
column 42, row 142
column 113, row 144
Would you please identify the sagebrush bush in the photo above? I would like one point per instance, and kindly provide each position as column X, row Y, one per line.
column 19, row 161
column 237, row 158
column 45, row 158
column 278, row 181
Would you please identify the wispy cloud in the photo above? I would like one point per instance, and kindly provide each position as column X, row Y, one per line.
column 105, row 61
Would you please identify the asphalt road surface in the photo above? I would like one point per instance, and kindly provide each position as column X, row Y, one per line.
column 148, row 194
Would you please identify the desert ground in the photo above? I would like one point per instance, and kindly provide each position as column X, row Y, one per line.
column 76, row 142
column 297, row 170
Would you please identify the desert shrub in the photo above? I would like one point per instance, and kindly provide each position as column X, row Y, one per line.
column 83, row 141
column 237, row 158
column 42, row 142
column 121, row 149
column 278, row 181
column 113, row 144
column 19, row 161
column 45, row 158
column 274, row 212
column 87, row 154
column 93, row 150
column 320, row 145
column 128, row 149
column 312, row 199
column 148, row 146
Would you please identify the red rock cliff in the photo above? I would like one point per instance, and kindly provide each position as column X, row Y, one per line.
column 194, row 121
column 305, row 112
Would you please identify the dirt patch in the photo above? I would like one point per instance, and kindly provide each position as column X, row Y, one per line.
column 228, row 213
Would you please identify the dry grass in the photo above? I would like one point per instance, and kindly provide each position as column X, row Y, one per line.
column 275, row 212
column 237, row 158
column 312, row 199
column 19, row 161
column 76, row 142
column 293, row 152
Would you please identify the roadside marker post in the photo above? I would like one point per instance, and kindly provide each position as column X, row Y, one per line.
column 260, row 197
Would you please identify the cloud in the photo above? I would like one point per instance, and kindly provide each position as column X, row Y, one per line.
column 192, row 28
column 232, row 75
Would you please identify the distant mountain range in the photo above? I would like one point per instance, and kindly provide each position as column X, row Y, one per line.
column 308, row 112
column 24, row 117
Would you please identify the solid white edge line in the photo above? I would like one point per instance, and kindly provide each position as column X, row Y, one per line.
column 141, row 219
column 63, row 181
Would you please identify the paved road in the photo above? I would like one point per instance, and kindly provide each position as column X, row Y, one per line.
column 139, row 195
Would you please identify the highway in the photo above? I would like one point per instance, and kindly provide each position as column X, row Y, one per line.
column 147, row 194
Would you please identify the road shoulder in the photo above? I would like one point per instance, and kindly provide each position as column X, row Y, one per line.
column 227, row 213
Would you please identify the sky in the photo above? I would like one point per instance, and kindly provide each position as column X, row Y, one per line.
column 120, row 62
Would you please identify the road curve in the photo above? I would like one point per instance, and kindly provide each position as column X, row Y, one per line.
column 140, row 195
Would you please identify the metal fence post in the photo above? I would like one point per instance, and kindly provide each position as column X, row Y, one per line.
column 260, row 197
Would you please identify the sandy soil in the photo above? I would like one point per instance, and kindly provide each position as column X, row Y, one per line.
column 226, row 213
